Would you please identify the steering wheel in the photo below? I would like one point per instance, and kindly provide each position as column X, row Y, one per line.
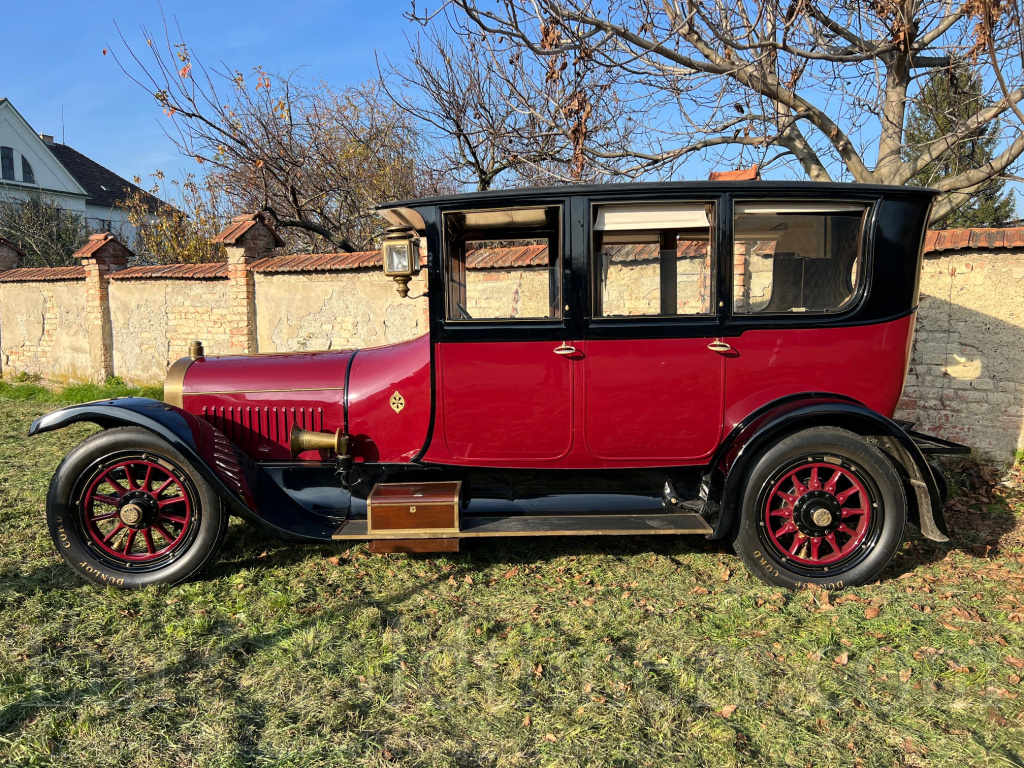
column 463, row 314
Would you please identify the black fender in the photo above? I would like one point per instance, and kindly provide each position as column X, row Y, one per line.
column 762, row 429
column 235, row 478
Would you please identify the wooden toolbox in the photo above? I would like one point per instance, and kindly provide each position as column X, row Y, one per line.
column 414, row 508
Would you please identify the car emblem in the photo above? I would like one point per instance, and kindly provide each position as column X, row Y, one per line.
column 397, row 402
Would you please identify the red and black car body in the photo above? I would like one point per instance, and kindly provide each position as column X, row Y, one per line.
column 656, row 417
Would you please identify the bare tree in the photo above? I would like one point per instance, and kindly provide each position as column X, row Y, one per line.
column 48, row 233
column 504, row 117
column 316, row 159
column 822, row 86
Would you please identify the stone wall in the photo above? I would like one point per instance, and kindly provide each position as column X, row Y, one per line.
column 43, row 330
column 966, row 379
column 153, row 322
column 334, row 310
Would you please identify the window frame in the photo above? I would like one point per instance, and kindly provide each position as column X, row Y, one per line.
column 7, row 155
column 865, row 257
column 594, row 275
column 564, row 268
column 26, row 166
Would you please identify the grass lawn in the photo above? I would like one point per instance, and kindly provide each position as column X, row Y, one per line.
column 549, row 652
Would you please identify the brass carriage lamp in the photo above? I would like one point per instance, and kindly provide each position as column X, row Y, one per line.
column 401, row 257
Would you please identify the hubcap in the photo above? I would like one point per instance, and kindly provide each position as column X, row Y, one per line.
column 138, row 511
column 818, row 514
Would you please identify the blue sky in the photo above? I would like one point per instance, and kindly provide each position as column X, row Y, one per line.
column 53, row 51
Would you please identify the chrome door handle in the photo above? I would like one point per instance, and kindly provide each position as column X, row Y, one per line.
column 565, row 349
column 719, row 346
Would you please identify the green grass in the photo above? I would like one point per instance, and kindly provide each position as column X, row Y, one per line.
column 548, row 652
column 75, row 393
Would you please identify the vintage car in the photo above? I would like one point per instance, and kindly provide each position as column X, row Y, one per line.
column 715, row 358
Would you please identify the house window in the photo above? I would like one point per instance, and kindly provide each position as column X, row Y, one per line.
column 26, row 171
column 7, row 163
column 653, row 259
column 504, row 264
column 796, row 257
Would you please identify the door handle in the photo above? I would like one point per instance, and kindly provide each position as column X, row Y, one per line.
column 719, row 346
column 565, row 349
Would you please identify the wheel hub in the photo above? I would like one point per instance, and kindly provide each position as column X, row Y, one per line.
column 817, row 513
column 138, row 509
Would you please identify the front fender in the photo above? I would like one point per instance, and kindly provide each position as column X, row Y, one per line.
column 248, row 491
column 770, row 424
column 212, row 454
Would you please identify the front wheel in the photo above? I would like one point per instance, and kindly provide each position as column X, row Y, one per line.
column 822, row 507
column 125, row 509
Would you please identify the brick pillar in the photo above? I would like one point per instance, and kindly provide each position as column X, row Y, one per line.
column 246, row 239
column 101, row 255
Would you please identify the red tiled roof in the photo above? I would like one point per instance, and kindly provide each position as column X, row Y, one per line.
column 97, row 241
column 42, row 274
column 173, row 272
column 242, row 224
column 742, row 174
column 318, row 262
column 521, row 256
column 940, row 240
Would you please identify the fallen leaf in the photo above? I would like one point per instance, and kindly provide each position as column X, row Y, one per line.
column 626, row 595
column 1014, row 679
column 550, row 737
column 842, row 659
column 871, row 612
column 905, row 675
column 512, row 572
column 698, row 591
column 589, row 602
column 995, row 717
column 538, row 670
column 526, row 721
column 727, row 710
column 333, row 560
column 1014, row 661
column 588, row 688
column 726, row 574
column 451, row 581
column 468, row 579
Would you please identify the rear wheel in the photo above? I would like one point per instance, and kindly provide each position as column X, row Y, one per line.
column 125, row 509
column 821, row 507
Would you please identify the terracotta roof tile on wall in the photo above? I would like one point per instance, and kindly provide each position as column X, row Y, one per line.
column 174, row 272
column 42, row 274
column 317, row 262
column 242, row 224
column 937, row 241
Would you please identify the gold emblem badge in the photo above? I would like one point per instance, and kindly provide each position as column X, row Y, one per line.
column 397, row 402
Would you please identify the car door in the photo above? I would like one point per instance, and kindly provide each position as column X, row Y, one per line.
column 505, row 378
column 655, row 366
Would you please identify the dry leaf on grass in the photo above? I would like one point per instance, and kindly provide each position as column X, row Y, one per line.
column 527, row 722
column 871, row 612
column 1014, row 661
column 550, row 737
column 727, row 710
column 905, row 675
column 512, row 572
column 842, row 659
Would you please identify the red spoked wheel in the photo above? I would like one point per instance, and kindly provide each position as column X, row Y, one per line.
column 820, row 507
column 818, row 513
column 138, row 510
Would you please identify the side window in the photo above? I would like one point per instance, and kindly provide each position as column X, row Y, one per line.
column 796, row 257
column 26, row 171
column 653, row 259
column 503, row 264
column 7, row 163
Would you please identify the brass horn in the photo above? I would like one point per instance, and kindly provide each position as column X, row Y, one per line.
column 303, row 440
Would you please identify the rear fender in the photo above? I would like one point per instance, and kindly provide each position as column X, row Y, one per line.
column 738, row 453
column 236, row 479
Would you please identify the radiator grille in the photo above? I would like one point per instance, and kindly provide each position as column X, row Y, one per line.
column 248, row 425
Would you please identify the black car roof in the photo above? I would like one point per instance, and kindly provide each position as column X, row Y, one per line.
column 826, row 189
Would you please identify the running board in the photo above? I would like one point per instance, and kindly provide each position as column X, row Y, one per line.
column 544, row 525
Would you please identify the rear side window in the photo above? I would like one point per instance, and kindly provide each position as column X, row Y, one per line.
column 796, row 257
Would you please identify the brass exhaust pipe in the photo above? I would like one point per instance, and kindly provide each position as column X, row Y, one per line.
column 302, row 440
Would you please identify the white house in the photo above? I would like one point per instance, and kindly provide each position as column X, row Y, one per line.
column 32, row 163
